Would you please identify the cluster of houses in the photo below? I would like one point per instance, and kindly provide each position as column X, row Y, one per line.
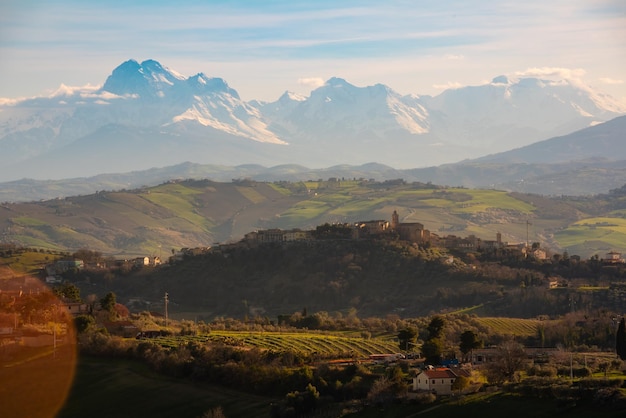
column 413, row 232
column 54, row 271
column 407, row 231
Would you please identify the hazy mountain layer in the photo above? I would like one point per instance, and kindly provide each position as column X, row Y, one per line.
column 586, row 162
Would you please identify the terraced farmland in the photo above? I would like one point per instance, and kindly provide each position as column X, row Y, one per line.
column 306, row 344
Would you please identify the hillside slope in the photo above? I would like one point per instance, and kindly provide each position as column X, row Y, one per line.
column 371, row 277
column 197, row 213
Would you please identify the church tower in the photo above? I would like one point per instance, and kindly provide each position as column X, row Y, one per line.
column 395, row 221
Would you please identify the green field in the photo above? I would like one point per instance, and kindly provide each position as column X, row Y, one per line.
column 117, row 388
column 491, row 405
column 120, row 388
column 593, row 235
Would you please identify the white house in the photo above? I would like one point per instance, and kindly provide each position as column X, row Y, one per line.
column 438, row 381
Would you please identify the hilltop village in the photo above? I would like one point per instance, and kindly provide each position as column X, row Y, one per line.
column 413, row 232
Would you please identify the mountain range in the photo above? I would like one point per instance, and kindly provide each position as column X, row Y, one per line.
column 146, row 115
column 560, row 169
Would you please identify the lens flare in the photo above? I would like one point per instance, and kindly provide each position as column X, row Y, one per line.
column 37, row 348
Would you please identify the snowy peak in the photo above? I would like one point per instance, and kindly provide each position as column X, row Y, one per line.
column 290, row 96
column 201, row 84
column 502, row 79
column 148, row 79
column 345, row 112
column 336, row 82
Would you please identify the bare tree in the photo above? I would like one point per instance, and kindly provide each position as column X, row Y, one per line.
column 510, row 358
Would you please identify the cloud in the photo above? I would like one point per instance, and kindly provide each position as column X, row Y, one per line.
column 564, row 73
column 64, row 90
column 70, row 94
column 311, row 82
column 454, row 57
column 448, row 85
column 8, row 101
column 612, row 81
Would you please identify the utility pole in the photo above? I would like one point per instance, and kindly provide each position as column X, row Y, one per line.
column 166, row 299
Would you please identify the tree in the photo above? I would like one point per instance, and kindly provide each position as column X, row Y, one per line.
column 108, row 302
column 432, row 350
column 620, row 340
column 216, row 412
column 303, row 402
column 435, row 327
column 68, row 291
column 510, row 358
column 469, row 342
column 460, row 383
column 84, row 323
column 407, row 338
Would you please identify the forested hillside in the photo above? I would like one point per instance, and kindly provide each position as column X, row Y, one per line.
column 368, row 278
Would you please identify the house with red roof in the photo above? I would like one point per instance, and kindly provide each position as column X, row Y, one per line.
column 435, row 380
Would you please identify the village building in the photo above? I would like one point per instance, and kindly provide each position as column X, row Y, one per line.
column 613, row 257
column 491, row 244
column 438, row 380
column 296, row 235
column 409, row 231
column 265, row 236
column 538, row 254
column 413, row 232
column 365, row 229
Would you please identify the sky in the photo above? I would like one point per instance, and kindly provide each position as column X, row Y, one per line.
column 263, row 48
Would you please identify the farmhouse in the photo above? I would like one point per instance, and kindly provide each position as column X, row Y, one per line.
column 438, row 381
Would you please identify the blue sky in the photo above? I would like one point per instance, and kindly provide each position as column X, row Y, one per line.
column 262, row 48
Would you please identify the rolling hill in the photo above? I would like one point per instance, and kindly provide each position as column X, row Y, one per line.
column 196, row 213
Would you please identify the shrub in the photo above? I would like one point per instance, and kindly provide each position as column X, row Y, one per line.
column 426, row 398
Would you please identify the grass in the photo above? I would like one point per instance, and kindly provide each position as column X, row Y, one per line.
column 305, row 211
column 280, row 189
column 28, row 261
column 181, row 205
column 26, row 221
column 251, row 194
column 607, row 232
column 354, row 208
column 106, row 387
column 490, row 405
column 467, row 200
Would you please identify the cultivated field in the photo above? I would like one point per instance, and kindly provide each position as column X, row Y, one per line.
column 307, row 344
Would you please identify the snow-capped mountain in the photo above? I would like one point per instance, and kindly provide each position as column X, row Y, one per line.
column 507, row 113
column 146, row 115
